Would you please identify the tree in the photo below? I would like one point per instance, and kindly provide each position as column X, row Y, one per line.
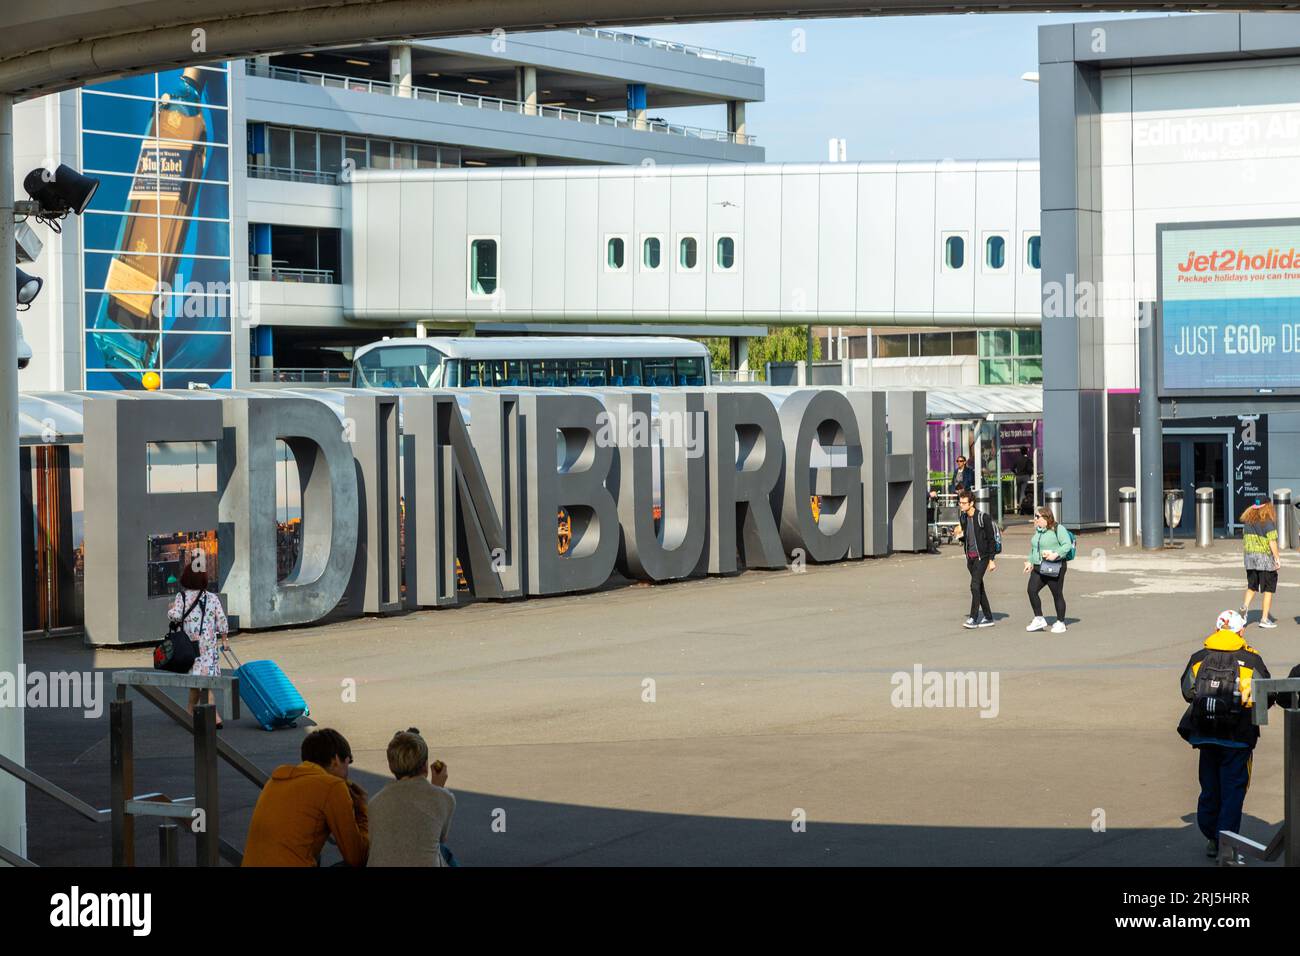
column 783, row 343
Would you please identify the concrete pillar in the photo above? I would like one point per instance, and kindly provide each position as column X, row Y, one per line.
column 264, row 340
column 740, row 357
column 636, row 104
column 526, row 88
column 527, row 160
column 736, row 119
column 1074, row 354
column 261, row 65
column 262, row 249
column 13, row 797
column 399, row 68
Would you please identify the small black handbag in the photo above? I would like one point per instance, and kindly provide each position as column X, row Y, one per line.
column 1050, row 569
column 178, row 651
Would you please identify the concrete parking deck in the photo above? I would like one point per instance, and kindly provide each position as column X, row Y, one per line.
column 772, row 695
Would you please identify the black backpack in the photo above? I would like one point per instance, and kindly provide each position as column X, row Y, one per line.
column 1216, row 699
column 178, row 651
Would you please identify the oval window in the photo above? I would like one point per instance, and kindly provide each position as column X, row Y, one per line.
column 954, row 252
column 726, row 252
column 688, row 252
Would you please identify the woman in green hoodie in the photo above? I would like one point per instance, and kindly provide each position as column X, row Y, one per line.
column 1053, row 546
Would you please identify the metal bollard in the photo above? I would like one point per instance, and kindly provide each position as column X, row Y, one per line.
column 1285, row 520
column 984, row 500
column 1128, row 517
column 1204, row 517
column 1052, row 499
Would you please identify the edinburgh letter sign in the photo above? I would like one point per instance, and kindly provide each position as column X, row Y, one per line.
column 474, row 480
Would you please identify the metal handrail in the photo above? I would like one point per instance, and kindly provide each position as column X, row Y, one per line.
column 690, row 49
column 361, row 85
column 283, row 174
column 276, row 274
column 1283, row 841
column 300, row 375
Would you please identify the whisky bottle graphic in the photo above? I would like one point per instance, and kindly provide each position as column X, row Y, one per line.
column 165, row 184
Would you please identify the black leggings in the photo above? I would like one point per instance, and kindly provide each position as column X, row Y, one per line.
column 1056, row 585
column 979, row 598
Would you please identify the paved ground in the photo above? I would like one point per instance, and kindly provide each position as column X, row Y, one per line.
column 772, row 695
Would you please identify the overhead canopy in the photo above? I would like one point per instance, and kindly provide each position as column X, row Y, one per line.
column 1000, row 402
column 45, row 47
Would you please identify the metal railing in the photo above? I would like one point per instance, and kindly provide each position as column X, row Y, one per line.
column 737, row 376
column 690, row 49
column 281, row 174
column 428, row 94
column 1286, row 841
column 276, row 274
column 300, row 376
column 208, row 748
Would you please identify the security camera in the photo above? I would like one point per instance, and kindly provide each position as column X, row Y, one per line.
column 24, row 350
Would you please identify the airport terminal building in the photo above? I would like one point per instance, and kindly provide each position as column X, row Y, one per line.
column 223, row 184
column 524, row 183
column 1168, row 149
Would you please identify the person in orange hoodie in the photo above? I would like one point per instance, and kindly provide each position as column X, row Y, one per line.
column 302, row 805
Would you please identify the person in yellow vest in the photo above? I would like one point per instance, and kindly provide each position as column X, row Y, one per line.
column 1217, row 685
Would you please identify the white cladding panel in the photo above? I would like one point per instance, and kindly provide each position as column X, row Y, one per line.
column 653, row 222
column 383, row 264
column 416, row 247
column 760, row 255
column 548, row 245
column 798, row 238
column 847, row 242
column 582, row 246
column 725, row 287
column 517, row 234
column 916, row 245
column 995, row 222
column 450, row 270
column 954, row 215
column 689, row 218
column 877, row 196
column 837, row 241
column 617, row 216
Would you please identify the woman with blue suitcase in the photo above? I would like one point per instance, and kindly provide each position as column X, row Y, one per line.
column 204, row 620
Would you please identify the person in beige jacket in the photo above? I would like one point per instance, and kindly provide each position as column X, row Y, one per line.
column 410, row 818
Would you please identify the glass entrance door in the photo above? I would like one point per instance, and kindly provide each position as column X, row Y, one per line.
column 1197, row 461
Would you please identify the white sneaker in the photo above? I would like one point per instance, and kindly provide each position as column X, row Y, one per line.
column 1037, row 624
column 970, row 622
column 1058, row 627
column 987, row 622
column 1267, row 622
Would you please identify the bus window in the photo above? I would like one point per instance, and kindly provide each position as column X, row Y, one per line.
column 548, row 373
column 516, row 374
column 625, row 372
column 690, row 371
column 400, row 366
column 659, row 371
column 591, row 373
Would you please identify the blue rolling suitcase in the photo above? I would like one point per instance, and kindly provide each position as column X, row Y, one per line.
column 269, row 694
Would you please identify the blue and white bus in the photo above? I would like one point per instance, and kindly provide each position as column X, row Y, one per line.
column 545, row 361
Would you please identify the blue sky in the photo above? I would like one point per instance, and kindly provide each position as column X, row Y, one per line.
column 923, row 87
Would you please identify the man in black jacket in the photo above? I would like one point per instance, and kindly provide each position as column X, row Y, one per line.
column 1219, row 723
column 977, row 531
